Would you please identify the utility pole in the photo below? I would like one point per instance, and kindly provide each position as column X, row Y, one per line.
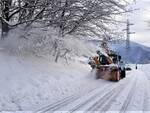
column 128, row 34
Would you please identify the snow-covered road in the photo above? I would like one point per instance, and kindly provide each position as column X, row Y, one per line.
column 130, row 94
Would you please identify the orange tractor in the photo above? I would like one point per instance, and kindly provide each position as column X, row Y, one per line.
column 108, row 67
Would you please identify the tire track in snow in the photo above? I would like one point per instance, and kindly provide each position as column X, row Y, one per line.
column 129, row 97
column 109, row 101
column 138, row 95
column 56, row 105
column 102, row 95
column 104, row 103
column 146, row 101
column 89, row 100
column 103, row 98
column 65, row 101
column 146, row 104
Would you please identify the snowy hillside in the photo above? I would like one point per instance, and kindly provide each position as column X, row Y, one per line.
column 28, row 83
column 136, row 54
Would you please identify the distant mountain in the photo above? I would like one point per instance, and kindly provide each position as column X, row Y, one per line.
column 136, row 54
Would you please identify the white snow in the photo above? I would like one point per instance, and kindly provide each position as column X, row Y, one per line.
column 29, row 83
column 34, row 84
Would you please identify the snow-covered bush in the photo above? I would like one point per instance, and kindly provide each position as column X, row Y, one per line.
column 46, row 43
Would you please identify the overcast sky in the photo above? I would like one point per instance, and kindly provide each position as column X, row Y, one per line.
column 140, row 18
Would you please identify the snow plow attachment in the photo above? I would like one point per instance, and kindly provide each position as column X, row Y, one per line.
column 107, row 72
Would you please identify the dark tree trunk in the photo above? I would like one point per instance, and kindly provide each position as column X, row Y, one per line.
column 5, row 29
column 62, row 24
column 30, row 9
column 5, row 16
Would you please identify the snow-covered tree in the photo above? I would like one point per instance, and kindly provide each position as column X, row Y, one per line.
column 70, row 16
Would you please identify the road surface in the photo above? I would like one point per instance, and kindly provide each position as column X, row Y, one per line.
column 128, row 95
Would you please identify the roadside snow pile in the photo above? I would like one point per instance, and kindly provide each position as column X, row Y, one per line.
column 145, row 68
column 29, row 75
column 136, row 54
column 28, row 83
column 146, row 44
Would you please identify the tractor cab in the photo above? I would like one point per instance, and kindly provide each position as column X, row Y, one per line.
column 116, row 58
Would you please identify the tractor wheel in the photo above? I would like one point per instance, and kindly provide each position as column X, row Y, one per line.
column 123, row 73
column 117, row 76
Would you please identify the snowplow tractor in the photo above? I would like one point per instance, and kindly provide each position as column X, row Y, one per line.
column 108, row 67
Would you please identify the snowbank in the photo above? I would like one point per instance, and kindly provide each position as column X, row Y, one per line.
column 29, row 76
column 28, row 83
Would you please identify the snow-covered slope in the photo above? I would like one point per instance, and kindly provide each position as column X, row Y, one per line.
column 136, row 54
column 28, row 82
